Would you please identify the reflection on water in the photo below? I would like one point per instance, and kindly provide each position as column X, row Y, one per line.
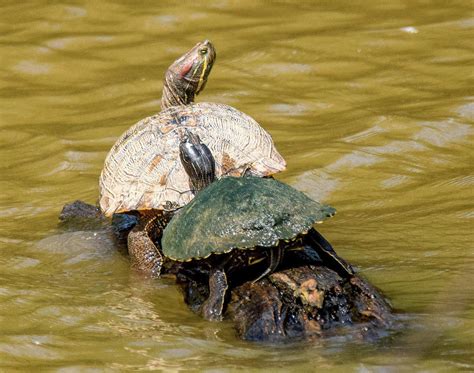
column 371, row 106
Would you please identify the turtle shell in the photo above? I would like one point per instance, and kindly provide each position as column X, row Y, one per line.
column 142, row 170
column 240, row 213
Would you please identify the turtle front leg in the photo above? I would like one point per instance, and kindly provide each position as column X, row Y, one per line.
column 144, row 254
column 213, row 307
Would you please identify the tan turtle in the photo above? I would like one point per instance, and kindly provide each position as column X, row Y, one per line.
column 143, row 170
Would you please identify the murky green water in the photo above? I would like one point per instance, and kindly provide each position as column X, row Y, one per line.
column 370, row 103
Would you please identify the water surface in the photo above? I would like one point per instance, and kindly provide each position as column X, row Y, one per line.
column 372, row 106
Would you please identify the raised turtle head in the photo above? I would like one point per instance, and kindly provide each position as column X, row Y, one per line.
column 187, row 76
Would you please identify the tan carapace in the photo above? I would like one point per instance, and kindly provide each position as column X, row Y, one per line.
column 143, row 171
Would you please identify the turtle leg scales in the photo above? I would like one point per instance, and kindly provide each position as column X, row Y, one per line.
column 144, row 254
column 213, row 307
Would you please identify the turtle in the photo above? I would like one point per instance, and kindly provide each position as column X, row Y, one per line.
column 250, row 217
column 234, row 216
column 143, row 174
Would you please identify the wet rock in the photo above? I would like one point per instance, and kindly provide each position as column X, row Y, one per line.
column 307, row 301
column 79, row 210
column 79, row 215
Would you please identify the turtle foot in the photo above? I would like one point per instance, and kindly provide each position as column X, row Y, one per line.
column 212, row 308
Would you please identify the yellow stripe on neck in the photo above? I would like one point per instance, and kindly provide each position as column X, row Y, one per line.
column 201, row 78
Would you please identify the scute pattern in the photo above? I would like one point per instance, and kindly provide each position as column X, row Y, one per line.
column 142, row 170
column 244, row 213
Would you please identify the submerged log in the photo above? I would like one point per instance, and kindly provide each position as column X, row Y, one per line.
column 303, row 299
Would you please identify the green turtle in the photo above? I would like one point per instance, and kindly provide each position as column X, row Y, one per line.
column 235, row 216
column 143, row 173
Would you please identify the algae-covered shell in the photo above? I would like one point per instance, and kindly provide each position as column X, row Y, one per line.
column 243, row 213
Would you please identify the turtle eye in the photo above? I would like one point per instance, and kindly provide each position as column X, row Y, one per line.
column 203, row 51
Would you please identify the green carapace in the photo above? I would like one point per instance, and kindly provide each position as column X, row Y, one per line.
column 240, row 213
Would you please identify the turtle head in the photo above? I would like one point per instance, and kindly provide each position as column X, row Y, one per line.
column 197, row 160
column 187, row 76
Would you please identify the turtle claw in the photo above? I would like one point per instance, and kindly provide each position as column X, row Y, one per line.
column 275, row 258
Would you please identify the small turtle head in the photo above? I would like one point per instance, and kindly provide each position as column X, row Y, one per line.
column 197, row 160
column 187, row 76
